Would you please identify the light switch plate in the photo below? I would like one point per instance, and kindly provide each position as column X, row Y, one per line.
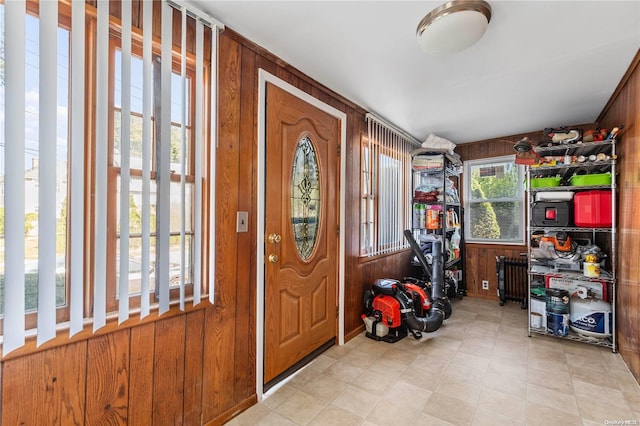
column 242, row 223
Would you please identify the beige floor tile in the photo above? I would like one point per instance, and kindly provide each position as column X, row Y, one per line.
column 425, row 419
column 465, row 391
column 362, row 358
column 356, row 401
column 301, row 408
column 514, row 365
column 549, row 343
column 450, row 409
column 594, row 376
column 279, row 396
column 391, row 411
column 556, row 362
column 343, row 371
column 338, row 352
column 302, row 377
column 504, row 404
column 488, row 417
column 555, row 380
column 549, row 398
column 321, row 363
column 251, row 416
column 477, row 346
column 389, row 367
column 335, row 416
column 323, row 387
column 272, row 419
column 540, row 415
column 424, row 379
column 587, row 391
column 409, row 394
column 503, row 381
column 399, row 356
column 595, row 410
column 376, row 383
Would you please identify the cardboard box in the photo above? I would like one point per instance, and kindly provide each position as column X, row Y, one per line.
column 598, row 288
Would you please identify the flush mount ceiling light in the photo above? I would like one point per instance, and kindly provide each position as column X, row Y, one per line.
column 453, row 26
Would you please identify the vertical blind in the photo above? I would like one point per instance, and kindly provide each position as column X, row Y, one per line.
column 79, row 256
column 386, row 208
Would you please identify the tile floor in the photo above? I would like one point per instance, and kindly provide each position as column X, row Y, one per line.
column 479, row 368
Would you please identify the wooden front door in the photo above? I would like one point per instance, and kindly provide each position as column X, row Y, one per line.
column 301, row 241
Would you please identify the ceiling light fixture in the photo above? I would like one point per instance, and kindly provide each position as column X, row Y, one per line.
column 453, row 26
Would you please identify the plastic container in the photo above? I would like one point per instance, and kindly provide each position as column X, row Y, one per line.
column 455, row 243
column 545, row 182
column 538, row 312
column 381, row 329
column 554, row 196
column 592, row 179
column 591, row 317
column 592, row 209
column 557, row 300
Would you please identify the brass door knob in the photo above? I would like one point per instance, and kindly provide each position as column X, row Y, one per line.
column 273, row 258
column 274, row 238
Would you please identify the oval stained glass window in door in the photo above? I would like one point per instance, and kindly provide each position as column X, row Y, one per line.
column 305, row 197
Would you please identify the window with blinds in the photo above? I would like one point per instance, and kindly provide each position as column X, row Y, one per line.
column 385, row 204
column 105, row 152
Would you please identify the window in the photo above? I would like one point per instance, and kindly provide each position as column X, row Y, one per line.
column 67, row 170
column 494, row 201
column 385, row 203
column 32, row 167
column 135, row 181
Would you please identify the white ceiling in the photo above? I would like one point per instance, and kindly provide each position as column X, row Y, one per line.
column 540, row 63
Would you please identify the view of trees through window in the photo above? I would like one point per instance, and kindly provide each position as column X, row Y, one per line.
column 494, row 200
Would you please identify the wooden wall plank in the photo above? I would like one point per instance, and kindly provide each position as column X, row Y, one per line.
column 46, row 387
column 193, row 366
column 623, row 109
column 107, row 379
column 169, row 371
column 219, row 345
column 141, row 374
column 244, row 377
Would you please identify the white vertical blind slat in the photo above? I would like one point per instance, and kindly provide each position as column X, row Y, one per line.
column 100, row 206
column 147, row 70
column 213, row 143
column 47, row 128
column 13, row 326
column 199, row 118
column 163, row 192
column 183, row 152
column 76, row 224
column 125, row 144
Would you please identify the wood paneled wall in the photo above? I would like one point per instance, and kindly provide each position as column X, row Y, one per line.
column 196, row 367
column 623, row 109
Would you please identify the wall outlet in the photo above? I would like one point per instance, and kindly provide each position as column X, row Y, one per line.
column 485, row 285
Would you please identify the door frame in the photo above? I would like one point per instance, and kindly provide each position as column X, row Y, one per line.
column 265, row 77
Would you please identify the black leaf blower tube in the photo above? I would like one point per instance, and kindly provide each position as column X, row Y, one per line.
column 436, row 316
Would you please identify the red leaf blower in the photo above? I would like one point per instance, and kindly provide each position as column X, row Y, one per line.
column 393, row 308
